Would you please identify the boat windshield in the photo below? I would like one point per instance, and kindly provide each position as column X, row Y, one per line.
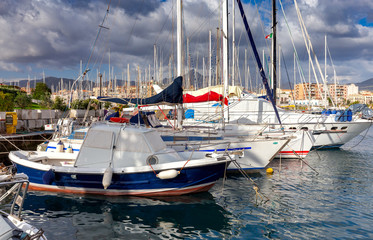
column 155, row 141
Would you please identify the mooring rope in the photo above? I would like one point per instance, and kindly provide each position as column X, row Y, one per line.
column 365, row 135
column 1, row 136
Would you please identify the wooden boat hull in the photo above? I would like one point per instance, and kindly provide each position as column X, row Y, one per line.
column 194, row 178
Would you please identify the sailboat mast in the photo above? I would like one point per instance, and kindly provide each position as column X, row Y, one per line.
column 233, row 45
column 179, row 37
column 210, row 67
column 179, row 45
column 274, row 77
column 225, row 54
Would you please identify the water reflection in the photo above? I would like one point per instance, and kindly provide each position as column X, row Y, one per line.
column 127, row 218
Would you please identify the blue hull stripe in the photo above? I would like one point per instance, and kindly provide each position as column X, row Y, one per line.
column 223, row 149
column 135, row 181
column 74, row 149
column 188, row 138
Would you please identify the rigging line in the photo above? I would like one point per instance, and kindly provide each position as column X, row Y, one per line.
column 133, row 27
column 287, row 74
column 98, row 34
column 300, row 69
column 262, row 26
column 164, row 24
column 366, row 132
column 207, row 19
column 310, row 47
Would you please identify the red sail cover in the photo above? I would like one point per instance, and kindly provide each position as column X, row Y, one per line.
column 209, row 96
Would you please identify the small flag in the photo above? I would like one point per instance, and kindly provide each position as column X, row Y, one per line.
column 269, row 36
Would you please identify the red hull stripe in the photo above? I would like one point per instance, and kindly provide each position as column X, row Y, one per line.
column 172, row 192
column 297, row 152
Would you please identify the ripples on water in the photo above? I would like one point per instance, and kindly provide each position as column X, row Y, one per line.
column 335, row 203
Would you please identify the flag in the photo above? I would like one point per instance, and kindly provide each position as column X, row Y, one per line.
column 269, row 36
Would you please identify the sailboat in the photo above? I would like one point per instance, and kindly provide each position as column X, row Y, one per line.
column 328, row 131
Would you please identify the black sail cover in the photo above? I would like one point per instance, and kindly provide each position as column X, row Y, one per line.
column 173, row 94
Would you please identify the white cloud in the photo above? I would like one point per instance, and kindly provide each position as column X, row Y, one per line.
column 56, row 35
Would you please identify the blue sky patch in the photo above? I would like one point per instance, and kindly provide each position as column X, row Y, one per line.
column 366, row 22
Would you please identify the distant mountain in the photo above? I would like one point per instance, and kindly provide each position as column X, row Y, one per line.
column 196, row 80
column 55, row 83
column 366, row 85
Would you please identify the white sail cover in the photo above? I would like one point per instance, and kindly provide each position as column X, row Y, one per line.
column 232, row 91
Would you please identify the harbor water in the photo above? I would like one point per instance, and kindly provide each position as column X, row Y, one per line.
column 329, row 196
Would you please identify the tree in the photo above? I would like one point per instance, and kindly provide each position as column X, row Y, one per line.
column 78, row 104
column 6, row 102
column 59, row 104
column 107, row 105
column 46, row 101
column 83, row 104
column 40, row 91
column 23, row 101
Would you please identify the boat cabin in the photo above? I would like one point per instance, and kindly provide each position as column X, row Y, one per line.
column 123, row 146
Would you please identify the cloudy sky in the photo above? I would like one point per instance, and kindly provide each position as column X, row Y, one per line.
column 55, row 35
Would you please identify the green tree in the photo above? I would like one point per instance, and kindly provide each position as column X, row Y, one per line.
column 59, row 104
column 83, row 104
column 6, row 102
column 23, row 101
column 46, row 101
column 107, row 105
column 77, row 104
column 40, row 91
column 355, row 102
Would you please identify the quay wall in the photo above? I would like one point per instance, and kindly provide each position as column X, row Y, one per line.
column 34, row 120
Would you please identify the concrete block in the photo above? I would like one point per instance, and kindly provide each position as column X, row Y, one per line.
column 77, row 113
column 39, row 123
column 19, row 113
column 91, row 113
column 57, row 114
column 2, row 116
column 47, row 114
column 100, row 113
column 31, row 124
column 20, row 124
column 2, row 127
column 28, row 114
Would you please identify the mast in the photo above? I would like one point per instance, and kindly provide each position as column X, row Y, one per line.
column 274, row 77
column 179, row 45
column 210, row 58
column 233, row 46
column 260, row 66
column 179, row 37
column 129, row 80
column 325, row 83
column 225, row 55
column 155, row 56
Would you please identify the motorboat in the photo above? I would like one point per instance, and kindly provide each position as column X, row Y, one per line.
column 253, row 153
column 120, row 159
